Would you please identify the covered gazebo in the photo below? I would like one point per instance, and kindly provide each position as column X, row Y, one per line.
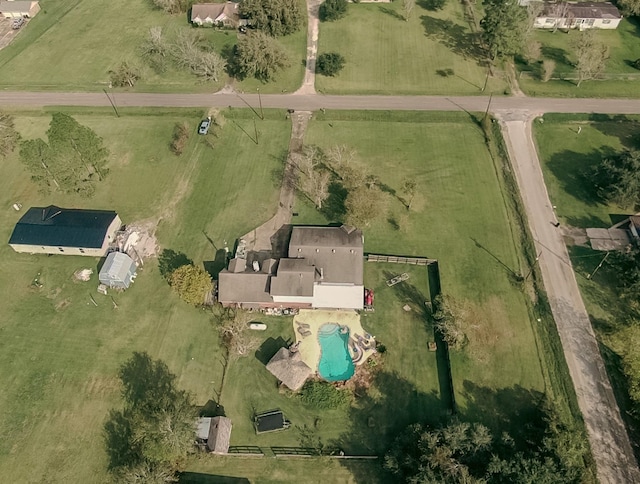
column 288, row 367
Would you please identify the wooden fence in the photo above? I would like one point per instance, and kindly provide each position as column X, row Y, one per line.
column 398, row 259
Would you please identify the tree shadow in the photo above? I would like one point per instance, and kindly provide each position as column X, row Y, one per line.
column 118, row 436
column 200, row 478
column 627, row 130
column 211, row 409
column 588, row 221
column 455, row 37
column 556, row 54
column 406, row 292
column 516, row 410
column 147, row 384
column 572, row 171
column 334, row 208
column 391, row 12
column 269, row 348
column 169, row 260
column 432, row 5
column 213, row 267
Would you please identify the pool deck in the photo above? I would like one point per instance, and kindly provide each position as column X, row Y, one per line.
column 307, row 322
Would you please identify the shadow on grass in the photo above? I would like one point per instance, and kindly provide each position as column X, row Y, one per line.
column 627, row 130
column 169, row 260
column 118, row 436
column 391, row 12
column 334, row 208
column 211, row 409
column 269, row 348
column 200, row 478
column 572, row 170
column 455, row 37
column 558, row 55
column 213, row 267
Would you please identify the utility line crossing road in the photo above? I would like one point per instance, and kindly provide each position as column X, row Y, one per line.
column 609, row 440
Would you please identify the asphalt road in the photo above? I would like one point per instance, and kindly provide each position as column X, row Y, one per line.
column 609, row 441
column 312, row 102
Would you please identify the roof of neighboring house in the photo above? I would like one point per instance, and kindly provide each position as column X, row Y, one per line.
column 15, row 6
column 63, row 227
column 288, row 367
column 295, row 277
column 117, row 267
column 246, row 287
column 595, row 10
column 219, row 435
column 214, row 11
column 336, row 252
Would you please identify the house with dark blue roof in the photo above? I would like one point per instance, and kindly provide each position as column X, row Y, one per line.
column 68, row 231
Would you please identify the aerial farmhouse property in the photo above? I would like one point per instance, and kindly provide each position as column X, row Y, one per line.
column 19, row 9
column 323, row 269
column 216, row 14
column 55, row 230
column 578, row 15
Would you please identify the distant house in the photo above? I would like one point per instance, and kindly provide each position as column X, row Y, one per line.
column 287, row 366
column 55, row 230
column 19, row 9
column 578, row 15
column 118, row 271
column 324, row 269
column 216, row 14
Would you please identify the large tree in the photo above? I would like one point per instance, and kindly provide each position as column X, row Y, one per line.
column 73, row 160
column 149, row 437
column 617, row 179
column 312, row 177
column 591, row 55
column 333, row 10
column 260, row 56
column 629, row 7
column 503, row 28
column 364, row 204
column 192, row 283
column 329, row 63
column 274, row 17
column 9, row 136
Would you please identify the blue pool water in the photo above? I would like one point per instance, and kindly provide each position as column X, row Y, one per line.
column 335, row 361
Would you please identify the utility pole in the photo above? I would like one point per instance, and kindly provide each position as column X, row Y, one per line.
column 249, row 105
column 260, row 101
column 113, row 104
column 486, row 80
column 486, row 113
column 255, row 129
column 533, row 265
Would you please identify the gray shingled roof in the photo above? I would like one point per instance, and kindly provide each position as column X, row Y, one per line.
column 15, row 7
column 295, row 277
column 576, row 10
column 63, row 227
column 246, row 287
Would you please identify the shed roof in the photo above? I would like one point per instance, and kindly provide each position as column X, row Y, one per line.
column 63, row 227
column 219, row 435
column 118, row 266
column 289, row 368
column 17, row 6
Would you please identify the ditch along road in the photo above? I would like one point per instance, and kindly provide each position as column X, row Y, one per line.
column 610, row 444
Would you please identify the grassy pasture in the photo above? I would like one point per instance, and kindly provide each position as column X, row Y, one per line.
column 387, row 55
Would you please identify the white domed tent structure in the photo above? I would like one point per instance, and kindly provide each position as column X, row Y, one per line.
column 118, row 271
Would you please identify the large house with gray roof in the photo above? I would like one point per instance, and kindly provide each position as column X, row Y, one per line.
column 323, row 269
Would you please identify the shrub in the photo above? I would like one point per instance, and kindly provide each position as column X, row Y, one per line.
column 548, row 67
column 323, row 395
column 180, row 138
column 192, row 283
column 333, row 10
column 329, row 64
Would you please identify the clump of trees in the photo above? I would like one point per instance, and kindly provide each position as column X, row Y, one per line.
column 172, row 6
column 323, row 395
column 591, row 54
column 147, row 440
column 468, row 452
column 179, row 138
column 73, row 160
column 258, row 55
column 629, row 7
column 331, row 10
column 274, row 17
column 504, row 28
column 329, row 64
column 9, row 136
column 191, row 283
column 125, row 75
column 617, row 179
column 233, row 328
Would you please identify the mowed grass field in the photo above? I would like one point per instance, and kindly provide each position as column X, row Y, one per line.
column 72, row 45
column 624, row 80
column 59, row 354
column 387, row 55
column 459, row 217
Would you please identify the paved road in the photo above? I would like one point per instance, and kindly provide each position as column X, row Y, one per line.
column 610, row 443
column 311, row 102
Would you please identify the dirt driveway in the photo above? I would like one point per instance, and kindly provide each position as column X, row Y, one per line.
column 7, row 34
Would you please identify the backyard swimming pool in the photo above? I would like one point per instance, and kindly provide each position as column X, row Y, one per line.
column 335, row 361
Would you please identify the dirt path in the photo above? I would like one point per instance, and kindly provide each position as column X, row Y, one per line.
column 259, row 239
column 610, row 443
column 313, row 27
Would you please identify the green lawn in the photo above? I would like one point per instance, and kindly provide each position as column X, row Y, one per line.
column 387, row 55
column 563, row 155
column 623, row 80
column 73, row 45
column 460, row 218
column 59, row 353
column 568, row 156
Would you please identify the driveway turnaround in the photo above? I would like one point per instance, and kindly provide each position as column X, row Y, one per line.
column 610, row 443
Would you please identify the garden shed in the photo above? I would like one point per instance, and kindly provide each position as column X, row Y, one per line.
column 288, row 367
column 219, row 435
column 118, row 271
